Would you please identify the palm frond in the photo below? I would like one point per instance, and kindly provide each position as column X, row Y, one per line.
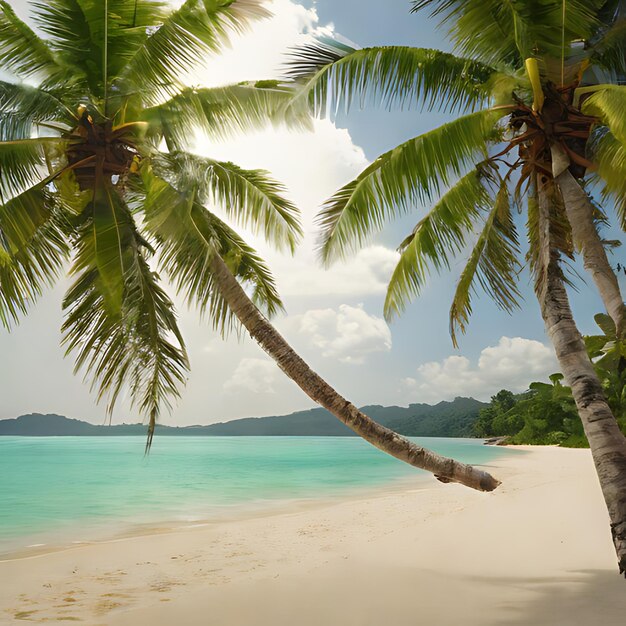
column 249, row 197
column 609, row 105
column 21, row 160
column 493, row 264
column 413, row 172
column 130, row 25
column 107, row 242
column 610, row 51
column 223, row 111
column 189, row 236
column 33, row 250
column 23, row 215
column 28, row 105
column 72, row 28
column 609, row 155
column 509, row 32
column 22, row 52
column 305, row 61
column 187, row 35
column 435, row 238
column 334, row 75
column 120, row 324
column 14, row 127
column 80, row 33
column 31, row 102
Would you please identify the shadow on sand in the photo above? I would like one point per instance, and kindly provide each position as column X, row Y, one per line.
column 582, row 598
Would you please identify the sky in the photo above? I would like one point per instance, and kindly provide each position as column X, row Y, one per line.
column 334, row 317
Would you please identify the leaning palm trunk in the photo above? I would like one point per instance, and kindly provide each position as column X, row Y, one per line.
column 607, row 443
column 446, row 470
column 579, row 212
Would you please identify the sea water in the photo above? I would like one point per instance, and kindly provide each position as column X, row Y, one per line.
column 63, row 489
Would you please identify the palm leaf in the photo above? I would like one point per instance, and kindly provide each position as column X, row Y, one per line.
column 159, row 366
column 120, row 324
column 436, row 237
column 189, row 235
column 130, row 24
column 22, row 216
column 33, row 250
column 249, row 197
column 71, row 35
column 609, row 104
column 413, row 172
column 509, row 32
column 222, row 111
column 22, row 52
column 335, row 75
column 493, row 264
column 82, row 38
column 609, row 155
column 23, row 106
column 21, row 160
column 610, row 51
column 107, row 234
column 186, row 36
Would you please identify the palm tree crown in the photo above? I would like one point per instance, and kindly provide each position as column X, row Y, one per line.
column 93, row 168
column 525, row 76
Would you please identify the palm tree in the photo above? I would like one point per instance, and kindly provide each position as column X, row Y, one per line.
column 94, row 167
column 537, row 86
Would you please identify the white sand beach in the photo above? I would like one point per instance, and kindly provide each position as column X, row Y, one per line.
column 536, row 551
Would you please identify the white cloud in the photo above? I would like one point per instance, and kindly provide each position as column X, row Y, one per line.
column 512, row 364
column 348, row 334
column 367, row 273
column 260, row 52
column 312, row 165
column 213, row 345
column 253, row 375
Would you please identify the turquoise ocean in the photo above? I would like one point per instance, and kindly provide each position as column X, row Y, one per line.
column 59, row 490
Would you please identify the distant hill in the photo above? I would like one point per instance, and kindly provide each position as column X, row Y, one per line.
column 445, row 419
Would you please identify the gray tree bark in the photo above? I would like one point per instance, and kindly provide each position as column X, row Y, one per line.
column 445, row 469
column 607, row 443
column 579, row 212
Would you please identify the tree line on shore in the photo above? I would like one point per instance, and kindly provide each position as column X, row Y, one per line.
column 546, row 413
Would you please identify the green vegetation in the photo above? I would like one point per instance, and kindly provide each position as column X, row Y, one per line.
column 609, row 355
column 444, row 419
column 546, row 413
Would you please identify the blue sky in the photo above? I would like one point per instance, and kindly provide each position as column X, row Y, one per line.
column 334, row 319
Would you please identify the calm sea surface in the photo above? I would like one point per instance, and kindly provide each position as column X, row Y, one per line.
column 62, row 489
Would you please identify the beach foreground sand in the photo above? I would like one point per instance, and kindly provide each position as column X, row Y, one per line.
column 537, row 551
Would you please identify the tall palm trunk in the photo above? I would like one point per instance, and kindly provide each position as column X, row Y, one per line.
column 607, row 443
column 446, row 470
column 579, row 212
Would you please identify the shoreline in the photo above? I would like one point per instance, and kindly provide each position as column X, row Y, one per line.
column 537, row 550
column 102, row 531
column 223, row 514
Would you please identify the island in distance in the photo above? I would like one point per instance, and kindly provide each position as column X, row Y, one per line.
column 445, row 419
